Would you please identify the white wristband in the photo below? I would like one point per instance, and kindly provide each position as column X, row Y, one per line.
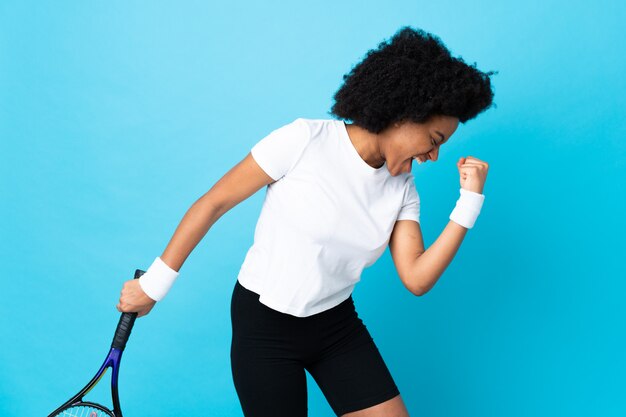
column 467, row 208
column 158, row 279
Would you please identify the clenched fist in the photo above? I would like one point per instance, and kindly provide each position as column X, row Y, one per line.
column 133, row 299
column 473, row 173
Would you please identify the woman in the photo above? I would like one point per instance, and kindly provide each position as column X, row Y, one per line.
column 338, row 194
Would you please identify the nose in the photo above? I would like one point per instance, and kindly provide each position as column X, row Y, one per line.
column 434, row 154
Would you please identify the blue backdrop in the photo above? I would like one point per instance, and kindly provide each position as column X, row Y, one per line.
column 116, row 116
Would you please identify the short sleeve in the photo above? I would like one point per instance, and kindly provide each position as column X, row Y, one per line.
column 410, row 209
column 278, row 152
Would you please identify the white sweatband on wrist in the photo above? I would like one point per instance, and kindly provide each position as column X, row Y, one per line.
column 158, row 279
column 467, row 208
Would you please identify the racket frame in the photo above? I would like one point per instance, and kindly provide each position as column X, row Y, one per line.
column 113, row 358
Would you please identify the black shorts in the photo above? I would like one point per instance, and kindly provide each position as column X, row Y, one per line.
column 270, row 351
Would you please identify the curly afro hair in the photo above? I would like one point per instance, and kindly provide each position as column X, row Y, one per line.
column 413, row 77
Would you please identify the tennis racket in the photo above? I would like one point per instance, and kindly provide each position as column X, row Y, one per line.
column 75, row 406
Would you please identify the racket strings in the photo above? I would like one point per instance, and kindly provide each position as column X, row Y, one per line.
column 83, row 411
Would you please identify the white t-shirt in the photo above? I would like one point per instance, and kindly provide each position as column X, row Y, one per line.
column 327, row 217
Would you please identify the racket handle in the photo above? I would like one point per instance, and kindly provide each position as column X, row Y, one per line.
column 125, row 325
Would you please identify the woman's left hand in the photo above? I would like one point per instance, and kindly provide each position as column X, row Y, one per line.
column 472, row 173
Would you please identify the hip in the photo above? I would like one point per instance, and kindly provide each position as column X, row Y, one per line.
column 254, row 321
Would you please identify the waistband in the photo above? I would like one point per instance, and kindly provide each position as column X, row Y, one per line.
column 346, row 306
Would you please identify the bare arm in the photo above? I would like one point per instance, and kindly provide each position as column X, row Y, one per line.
column 239, row 183
column 420, row 269
column 429, row 266
column 243, row 180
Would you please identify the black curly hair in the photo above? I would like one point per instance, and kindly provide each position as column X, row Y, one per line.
column 413, row 77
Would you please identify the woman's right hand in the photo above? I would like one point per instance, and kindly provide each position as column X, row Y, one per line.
column 134, row 300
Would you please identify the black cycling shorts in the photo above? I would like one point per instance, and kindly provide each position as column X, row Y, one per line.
column 270, row 351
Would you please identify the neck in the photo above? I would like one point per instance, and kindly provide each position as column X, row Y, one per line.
column 367, row 145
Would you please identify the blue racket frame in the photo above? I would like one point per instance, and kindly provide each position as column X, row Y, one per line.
column 122, row 333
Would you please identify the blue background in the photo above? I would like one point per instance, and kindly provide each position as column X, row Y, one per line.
column 116, row 116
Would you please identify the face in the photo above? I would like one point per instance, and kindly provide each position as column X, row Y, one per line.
column 406, row 141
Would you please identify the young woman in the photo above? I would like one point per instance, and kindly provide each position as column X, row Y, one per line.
column 337, row 195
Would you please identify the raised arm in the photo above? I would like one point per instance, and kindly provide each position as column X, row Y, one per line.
column 420, row 269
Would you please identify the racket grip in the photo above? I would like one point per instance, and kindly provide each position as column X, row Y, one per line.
column 125, row 325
